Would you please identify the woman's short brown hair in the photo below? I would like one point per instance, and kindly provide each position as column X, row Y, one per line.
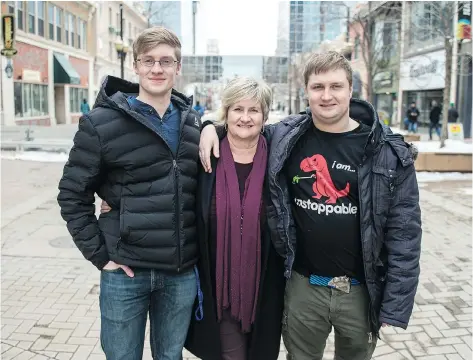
column 322, row 62
column 154, row 36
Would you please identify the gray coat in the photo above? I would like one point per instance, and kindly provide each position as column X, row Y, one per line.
column 390, row 217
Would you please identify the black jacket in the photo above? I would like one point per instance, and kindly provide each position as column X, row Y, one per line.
column 435, row 114
column 390, row 218
column 118, row 155
column 410, row 111
column 203, row 338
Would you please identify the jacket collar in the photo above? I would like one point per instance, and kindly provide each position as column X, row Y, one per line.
column 115, row 91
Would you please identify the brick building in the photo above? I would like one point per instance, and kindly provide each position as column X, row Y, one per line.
column 53, row 69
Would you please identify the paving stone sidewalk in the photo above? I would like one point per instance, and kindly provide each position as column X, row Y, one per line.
column 49, row 293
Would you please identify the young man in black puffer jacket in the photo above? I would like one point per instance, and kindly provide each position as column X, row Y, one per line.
column 138, row 150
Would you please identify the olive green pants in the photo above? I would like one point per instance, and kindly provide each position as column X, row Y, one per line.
column 310, row 312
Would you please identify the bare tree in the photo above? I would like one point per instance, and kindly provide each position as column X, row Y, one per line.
column 156, row 12
column 434, row 21
column 296, row 78
column 375, row 30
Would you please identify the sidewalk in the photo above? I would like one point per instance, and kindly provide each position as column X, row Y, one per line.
column 49, row 304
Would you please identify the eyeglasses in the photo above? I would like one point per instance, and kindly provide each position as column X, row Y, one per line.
column 164, row 62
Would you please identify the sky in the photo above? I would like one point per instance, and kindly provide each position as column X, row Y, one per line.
column 242, row 27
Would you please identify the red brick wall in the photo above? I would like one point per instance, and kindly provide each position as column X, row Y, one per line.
column 32, row 58
column 82, row 68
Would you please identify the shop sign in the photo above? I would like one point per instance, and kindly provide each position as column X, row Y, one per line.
column 8, row 31
column 455, row 131
column 423, row 72
column 464, row 20
column 420, row 70
column 383, row 80
column 31, row 76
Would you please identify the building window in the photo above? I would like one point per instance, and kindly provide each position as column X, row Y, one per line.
column 59, row 25
column 31, row 17
column 356, row 50
column 19, row 15
column 82, row 34
column 30, row 99
column 11, row 7
column 76, row 97
column 110, row 50
column 51, row 21
column 72, row 27
column 66, row 26
column 41, row 13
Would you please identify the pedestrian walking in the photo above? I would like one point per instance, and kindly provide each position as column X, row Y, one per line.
column 434, row 117
column 199, row 108
column 137, row 149
column 84, row 107
column 453, row 114
column 344, row 214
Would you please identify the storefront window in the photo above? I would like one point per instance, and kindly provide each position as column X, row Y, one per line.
column 76, row 97
column 30, row 100
column 423, row 100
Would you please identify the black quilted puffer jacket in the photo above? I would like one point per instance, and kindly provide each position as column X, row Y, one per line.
column 119, row 155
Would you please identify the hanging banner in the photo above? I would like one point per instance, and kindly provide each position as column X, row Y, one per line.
column 8, row 27
column 464, row 20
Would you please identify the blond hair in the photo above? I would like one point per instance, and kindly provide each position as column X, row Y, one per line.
column 323, row 62
column 242, row 88
column 154, row 36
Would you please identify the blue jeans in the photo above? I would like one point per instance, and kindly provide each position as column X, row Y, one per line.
column 437, row 128
column 413, row 127
column 124, row 306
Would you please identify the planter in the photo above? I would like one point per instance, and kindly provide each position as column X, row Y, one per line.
column 444, row 162
column 411, row 137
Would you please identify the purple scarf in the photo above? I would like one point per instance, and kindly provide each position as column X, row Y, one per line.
column 239, row 235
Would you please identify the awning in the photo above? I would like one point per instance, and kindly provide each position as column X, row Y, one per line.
column 64, row 72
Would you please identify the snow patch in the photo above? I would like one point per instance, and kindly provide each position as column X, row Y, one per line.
column 436, row 177
column 451, row 146
column 41, row 156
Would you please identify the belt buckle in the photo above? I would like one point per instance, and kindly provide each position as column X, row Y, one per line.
column 341, row 283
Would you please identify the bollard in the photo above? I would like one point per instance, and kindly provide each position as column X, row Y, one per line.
column 28, row 133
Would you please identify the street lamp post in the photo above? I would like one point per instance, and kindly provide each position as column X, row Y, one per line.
column 120, row 46
column 194, row 11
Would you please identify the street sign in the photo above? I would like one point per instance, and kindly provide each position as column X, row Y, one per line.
column 455, row 131
column 8, row 27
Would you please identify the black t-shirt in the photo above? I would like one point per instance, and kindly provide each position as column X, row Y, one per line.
column 323, row 184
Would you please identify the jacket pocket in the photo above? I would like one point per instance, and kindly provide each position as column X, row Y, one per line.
column 384, row 184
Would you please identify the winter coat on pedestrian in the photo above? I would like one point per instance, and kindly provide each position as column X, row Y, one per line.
column 390, row 217
column 119, row 154
column 435, row 114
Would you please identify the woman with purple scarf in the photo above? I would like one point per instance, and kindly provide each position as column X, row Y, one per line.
column 241, row 275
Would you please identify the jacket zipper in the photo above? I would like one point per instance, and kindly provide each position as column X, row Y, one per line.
column 288, row 270
column 363, row 245
column 178, row 215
